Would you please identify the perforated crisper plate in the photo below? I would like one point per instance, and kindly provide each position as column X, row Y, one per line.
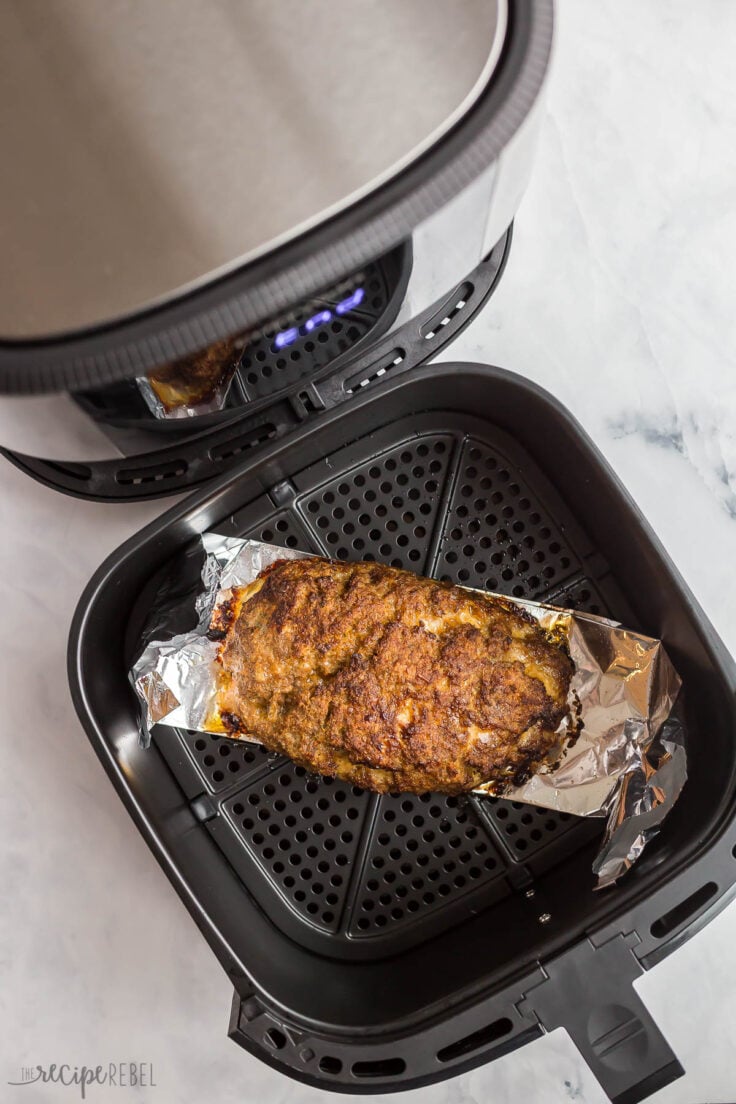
column 357, row 874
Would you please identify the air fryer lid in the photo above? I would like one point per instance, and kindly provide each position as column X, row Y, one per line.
column 151, row 149
column 173, row 177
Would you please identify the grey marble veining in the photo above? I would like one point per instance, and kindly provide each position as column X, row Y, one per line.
column 618, row 298
column 698, row 440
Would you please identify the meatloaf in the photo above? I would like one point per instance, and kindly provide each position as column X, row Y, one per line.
column 390, row 681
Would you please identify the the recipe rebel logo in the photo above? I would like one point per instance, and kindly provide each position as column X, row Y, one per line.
column 120, row 1075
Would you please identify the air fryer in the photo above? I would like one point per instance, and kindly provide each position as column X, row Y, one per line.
column 235, row 235
column 215, row 208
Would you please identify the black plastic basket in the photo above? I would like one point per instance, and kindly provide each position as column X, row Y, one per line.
column 379, row 943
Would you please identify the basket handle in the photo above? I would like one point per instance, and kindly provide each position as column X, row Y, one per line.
column 588, row 990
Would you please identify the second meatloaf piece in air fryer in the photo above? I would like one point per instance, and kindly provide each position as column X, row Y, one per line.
column 387, row 680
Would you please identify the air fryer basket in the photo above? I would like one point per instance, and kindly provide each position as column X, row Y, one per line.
column 377, row 943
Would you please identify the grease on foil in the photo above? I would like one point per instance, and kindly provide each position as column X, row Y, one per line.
column 621, row 755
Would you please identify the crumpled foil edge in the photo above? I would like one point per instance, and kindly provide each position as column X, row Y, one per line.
column 213, row 404
column 628, row 762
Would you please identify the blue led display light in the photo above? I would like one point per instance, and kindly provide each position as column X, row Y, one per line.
column 351, row 302
column 288, row 337
column 317, row 320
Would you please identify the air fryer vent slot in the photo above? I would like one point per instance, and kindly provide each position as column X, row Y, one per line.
column 483, row 1037
column 681, row 913
column 226, row 450
column 374, row 371
column 154, row 473
column 448, row 311
column 71, row 471
column 379, row 1067
column 328, row 1064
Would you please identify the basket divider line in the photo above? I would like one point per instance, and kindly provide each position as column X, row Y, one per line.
column 435, row 537
column 311, row 529
column 361, row 854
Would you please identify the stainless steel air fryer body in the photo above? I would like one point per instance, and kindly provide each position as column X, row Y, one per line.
column 307, row 175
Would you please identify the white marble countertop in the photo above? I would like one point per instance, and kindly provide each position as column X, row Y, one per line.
column 619, row 297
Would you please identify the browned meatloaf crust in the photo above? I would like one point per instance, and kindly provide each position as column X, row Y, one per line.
column 388, row 680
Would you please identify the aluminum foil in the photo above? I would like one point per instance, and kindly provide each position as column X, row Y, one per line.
column 205, row 395
column 213, row 404
column 621, row 752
